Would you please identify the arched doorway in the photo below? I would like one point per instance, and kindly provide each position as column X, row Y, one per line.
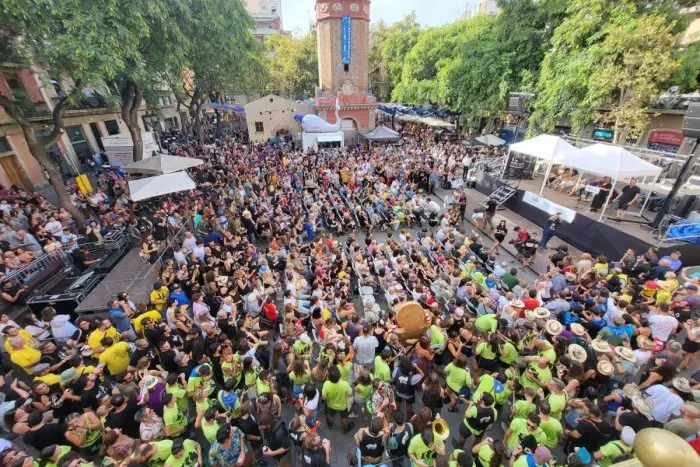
column 349, row 127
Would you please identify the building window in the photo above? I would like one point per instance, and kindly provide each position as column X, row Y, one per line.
column 14, row 83
column 112, row 127
column 259, row 128
column 5, row 145
column 346, row 67
column 79, row 141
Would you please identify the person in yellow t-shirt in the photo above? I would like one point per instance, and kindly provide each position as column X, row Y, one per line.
column 105, row 330
column 22, row 354
column 137, row 322
column 159, row 296
column 13, row 331
column 115, row 356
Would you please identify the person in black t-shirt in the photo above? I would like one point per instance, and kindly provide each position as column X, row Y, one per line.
column 316, row 452
column 247, row 424
column 276, row 435
column 591, row 432
column 144, row 349
column 122, row 415
column 80, row 259
column 629, row 195
column 42, row 434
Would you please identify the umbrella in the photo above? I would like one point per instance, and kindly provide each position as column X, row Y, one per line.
column 163, row 164
column 150, row 187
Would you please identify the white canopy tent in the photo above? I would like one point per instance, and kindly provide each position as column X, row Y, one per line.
column 490, row 140
column 615, row 162
column 150, row 187
column 163, row 164
column 545, row 147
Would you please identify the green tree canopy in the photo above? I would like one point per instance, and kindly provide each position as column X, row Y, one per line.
column 606, row 55
column 292, row 65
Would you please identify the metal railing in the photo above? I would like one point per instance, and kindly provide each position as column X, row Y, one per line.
column 42, row 262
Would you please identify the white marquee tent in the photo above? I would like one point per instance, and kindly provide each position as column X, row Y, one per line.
column 163, row 164
column 545, row 147
column 615, row 161
column 150, row 187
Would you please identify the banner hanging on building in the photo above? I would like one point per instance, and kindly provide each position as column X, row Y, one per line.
column 346, row 42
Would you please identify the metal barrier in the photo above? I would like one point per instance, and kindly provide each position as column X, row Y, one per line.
column 41, row 263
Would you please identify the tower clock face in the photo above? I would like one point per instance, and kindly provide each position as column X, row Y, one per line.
column 366, row 9
column 354, row 7
column 323, row 7
column 337, row 7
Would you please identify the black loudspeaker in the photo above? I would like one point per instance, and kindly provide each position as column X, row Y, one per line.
column 691, row 121
column 519, row 102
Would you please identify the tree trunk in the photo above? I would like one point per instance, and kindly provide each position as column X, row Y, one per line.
column 131, row 102
column 218, row 123
column 198, row 121
column 37, row 146
column 40, row 154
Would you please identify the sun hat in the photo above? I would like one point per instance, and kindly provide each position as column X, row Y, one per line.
column 605, row 368
column 631, row 390
column 553, row 327
column 600, row 345
column 86, row 350
column 681, row 384
column 577, row 353
column 644, row 343
column 459, row 312
column 517, row 304
column 305, row 339
column 541, row 313
column 150, row 382
column 222, row 280
column 68, row 376
column 625, row 353
column 577, row 329
column 570, row 276
column 627, row 435
column 642, row 404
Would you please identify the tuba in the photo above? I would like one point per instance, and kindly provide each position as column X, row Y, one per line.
column 441, row 431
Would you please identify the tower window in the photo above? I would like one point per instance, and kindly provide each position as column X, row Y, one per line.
column 346, row 67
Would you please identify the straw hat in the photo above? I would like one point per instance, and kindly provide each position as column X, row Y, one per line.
column 537, row 313
column 517, row 304
column 541, row 313
column 605, row 368
column 600, row 345
column 631, row 390
column 681, row 384
column 577, row 353
column 644, row 343
column 643, row 405
column 570, row 276
column 625, row 353
column 553, row 327
column 577, row 329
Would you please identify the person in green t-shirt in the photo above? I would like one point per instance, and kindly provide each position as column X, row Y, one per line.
column 154, row 453
column 611, row 451
column 550, row 425
column 57, row 453
column 184, row 453
column 335, row 393
column 557, row 398
column 486, row 354
column 524, row 407
column 541, row 457
column 174, row 420
column 488, row 452
column 457, row 378
column 486, row 323
column 382, row 370
column 537, row 374
column 521, row 427
column 423, row 449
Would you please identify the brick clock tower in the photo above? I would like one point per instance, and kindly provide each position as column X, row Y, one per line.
column 342, row 31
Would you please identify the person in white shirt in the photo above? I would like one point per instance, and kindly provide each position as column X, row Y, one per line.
column 53, row 227
column 189, row 243
column 665, row 402
column 662, row 324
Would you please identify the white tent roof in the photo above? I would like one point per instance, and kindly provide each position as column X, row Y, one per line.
column 546, row 147
column 491, row 140
column 150, row 187
column 163, row 164
column 381, row 133
column 615, row 161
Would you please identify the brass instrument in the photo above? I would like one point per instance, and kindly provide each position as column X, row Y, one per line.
column 441, row 431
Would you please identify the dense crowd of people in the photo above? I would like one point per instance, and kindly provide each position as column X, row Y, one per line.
column 275, row 314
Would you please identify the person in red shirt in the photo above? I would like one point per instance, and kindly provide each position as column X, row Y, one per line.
column 531, row 301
